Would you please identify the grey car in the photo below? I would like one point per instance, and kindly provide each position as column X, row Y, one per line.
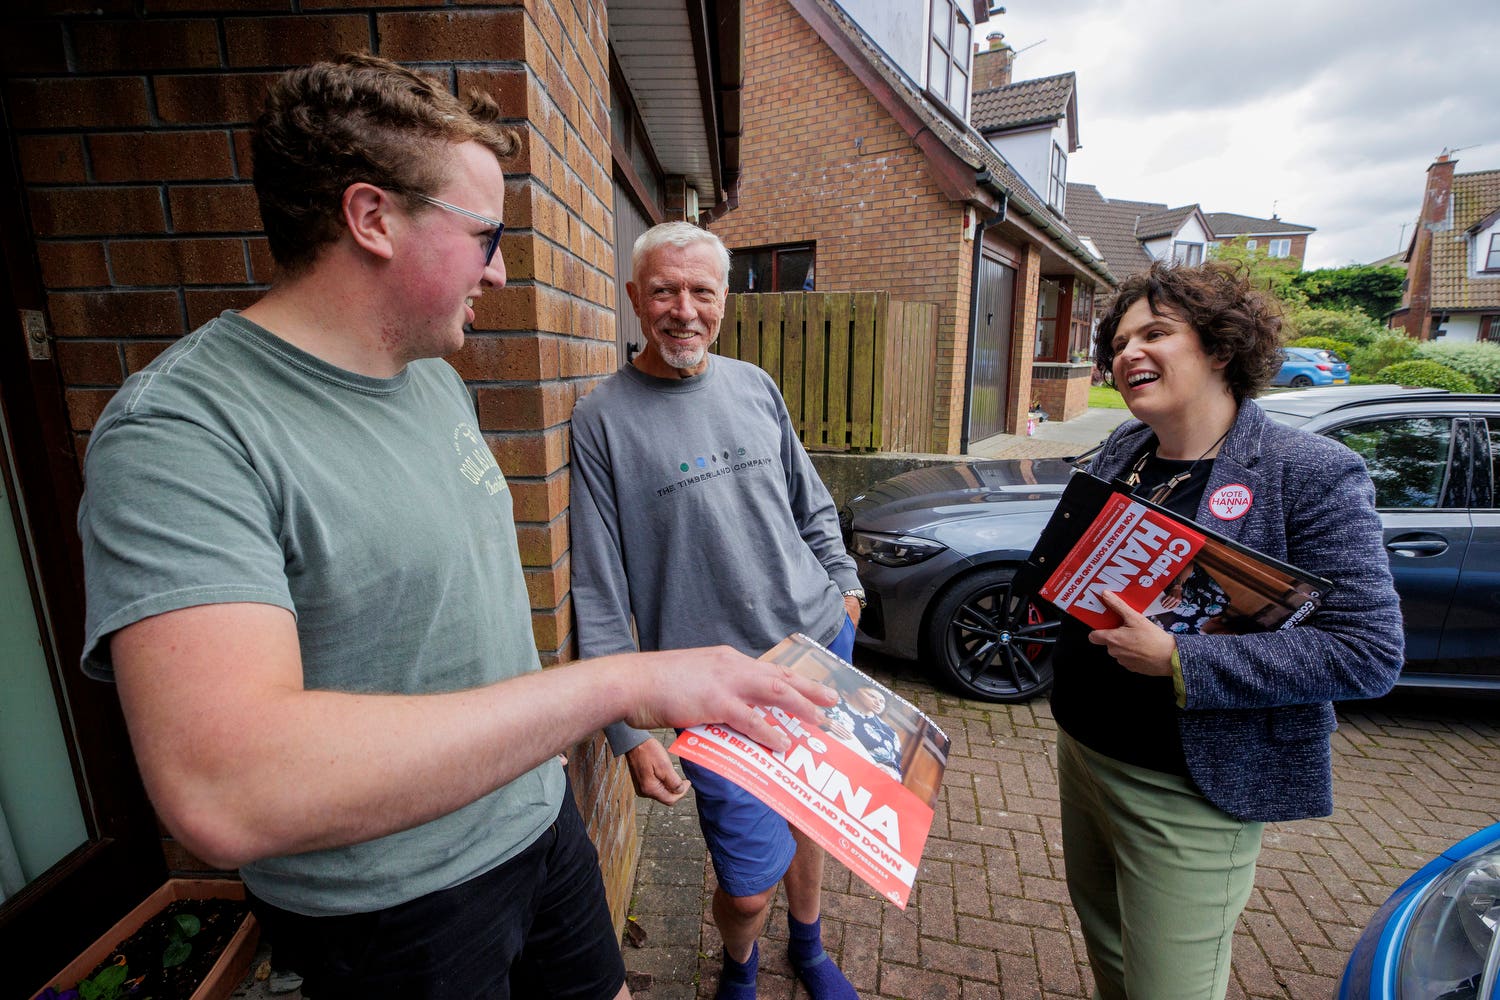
column 937, row 548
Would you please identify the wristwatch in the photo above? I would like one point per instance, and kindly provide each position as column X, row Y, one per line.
column 857, row 594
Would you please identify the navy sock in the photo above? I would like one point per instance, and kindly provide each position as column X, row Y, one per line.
column 737, row 979
column 812, row 964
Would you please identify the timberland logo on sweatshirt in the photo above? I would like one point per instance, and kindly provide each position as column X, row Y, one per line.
column 701, row 468
column 476, row 463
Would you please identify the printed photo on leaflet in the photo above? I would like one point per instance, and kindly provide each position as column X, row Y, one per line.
column 861, row 781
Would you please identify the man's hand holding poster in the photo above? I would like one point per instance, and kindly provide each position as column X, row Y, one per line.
column 860, row 781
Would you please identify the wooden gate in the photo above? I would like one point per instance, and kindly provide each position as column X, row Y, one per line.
column 856, row 368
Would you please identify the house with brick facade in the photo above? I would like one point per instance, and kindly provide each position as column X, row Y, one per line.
column 1453, row 260
column 1280, row 240
column 128, row 219
column 860, row 171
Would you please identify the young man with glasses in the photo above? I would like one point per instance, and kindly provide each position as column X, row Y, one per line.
column 302, row 573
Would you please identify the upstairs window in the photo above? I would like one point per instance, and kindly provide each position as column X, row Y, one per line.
column 948, row 55
column 1280, row 248
column 772, row 269
column 1492, row 259
column 1190, row 254
column 1057, row 183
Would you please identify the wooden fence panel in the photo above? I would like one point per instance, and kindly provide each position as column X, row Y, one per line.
column 856, row 369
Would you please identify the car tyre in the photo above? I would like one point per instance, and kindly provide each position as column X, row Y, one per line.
column 988, row 641
column 1301, row 382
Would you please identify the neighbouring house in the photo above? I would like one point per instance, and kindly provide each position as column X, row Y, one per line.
column 127, row 219
column 1132, row 234
column 1282, row 240
column 861, row 171
column 1453, row 260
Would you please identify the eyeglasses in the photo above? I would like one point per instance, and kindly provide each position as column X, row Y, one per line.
column 499, row 227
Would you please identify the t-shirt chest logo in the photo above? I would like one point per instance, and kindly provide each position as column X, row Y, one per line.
column 476, row 463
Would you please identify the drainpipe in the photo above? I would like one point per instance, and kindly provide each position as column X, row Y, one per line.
column 979, row 227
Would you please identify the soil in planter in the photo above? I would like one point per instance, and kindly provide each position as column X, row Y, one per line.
column 143, row 950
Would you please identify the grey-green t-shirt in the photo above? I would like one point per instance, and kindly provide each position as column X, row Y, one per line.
column 236, row 467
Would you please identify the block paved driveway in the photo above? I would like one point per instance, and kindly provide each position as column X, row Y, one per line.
column 990, row 915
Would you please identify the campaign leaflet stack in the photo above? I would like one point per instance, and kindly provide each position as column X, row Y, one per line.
column 1180, row 574
column 855, row 808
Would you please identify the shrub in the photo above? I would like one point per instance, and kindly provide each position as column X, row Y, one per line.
column 1384, row 350
column 1479, row 361
column 1342, row 348
column 1428, row 374
column 1351, row 326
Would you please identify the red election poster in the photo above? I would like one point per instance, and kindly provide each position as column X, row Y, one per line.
column 861, row 781
column 1130, row 550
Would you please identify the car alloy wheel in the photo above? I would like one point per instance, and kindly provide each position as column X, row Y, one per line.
column 989, row 642
column 1301, row 382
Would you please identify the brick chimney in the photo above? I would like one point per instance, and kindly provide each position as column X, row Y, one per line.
column 992, row 65
column 1435, row 218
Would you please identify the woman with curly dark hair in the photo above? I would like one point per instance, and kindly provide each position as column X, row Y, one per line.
column 1175, row 747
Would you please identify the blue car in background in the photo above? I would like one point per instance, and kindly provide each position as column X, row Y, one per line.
column 1436, row 937
column 1305, row 366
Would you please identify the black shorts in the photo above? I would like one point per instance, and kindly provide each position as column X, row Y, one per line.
column 537, row 926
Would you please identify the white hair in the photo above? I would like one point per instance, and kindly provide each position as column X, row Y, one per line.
column 680, row 235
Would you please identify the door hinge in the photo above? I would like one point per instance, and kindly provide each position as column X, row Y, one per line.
column 34, row 326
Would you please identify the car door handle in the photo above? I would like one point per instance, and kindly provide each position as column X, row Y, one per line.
column 1412, row 547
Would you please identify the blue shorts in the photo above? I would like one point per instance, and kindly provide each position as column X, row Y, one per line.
column 750, row 845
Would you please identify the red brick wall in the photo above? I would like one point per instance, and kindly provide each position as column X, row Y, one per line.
column 823, row 161
column 131, row 138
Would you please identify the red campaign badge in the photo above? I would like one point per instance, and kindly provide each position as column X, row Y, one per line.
column 1230, row 503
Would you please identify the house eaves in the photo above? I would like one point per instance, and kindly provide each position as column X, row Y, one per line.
column 1168, row 223
column 964, row 165
column 684, row 61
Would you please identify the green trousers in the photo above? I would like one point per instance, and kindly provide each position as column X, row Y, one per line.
column 1157, row 874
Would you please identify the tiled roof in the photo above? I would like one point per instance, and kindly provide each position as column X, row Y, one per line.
column 1164, row 223
column 1227, row 224
column 963, row 140
column 1112, row 226
column 1026, row 103
column 1475, row 196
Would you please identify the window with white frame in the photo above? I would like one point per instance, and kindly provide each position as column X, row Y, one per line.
column 1280, row 248
column 1190, row 254
column 948, row 55
column 1057, row 184
column 1492, row 259
column 1251, row 244
column 1489, row 332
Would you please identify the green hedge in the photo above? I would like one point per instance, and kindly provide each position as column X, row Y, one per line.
column 1427, row 374
column 1383, row 351
column 1348, row 326
column 1479, row 361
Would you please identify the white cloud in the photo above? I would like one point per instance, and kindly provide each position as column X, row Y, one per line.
column 1326, row 111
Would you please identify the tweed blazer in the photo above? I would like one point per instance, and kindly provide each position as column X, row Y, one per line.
column 1259, row 712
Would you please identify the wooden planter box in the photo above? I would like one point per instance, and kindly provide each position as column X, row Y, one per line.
column 227, row 971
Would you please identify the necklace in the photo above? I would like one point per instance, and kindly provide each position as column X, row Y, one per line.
column 1165, row 489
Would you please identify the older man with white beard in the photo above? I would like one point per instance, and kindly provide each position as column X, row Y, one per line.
column 696, row 512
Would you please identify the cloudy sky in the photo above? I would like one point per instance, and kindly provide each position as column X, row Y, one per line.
column 1326, row 111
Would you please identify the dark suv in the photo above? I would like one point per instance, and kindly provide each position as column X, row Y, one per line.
column 936, row 548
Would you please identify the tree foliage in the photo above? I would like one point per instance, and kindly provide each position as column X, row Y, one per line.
column 1375, row 290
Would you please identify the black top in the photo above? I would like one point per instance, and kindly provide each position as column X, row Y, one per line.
column 1128, row 716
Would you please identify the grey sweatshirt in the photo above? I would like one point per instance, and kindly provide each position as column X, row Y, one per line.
column 695, row 509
